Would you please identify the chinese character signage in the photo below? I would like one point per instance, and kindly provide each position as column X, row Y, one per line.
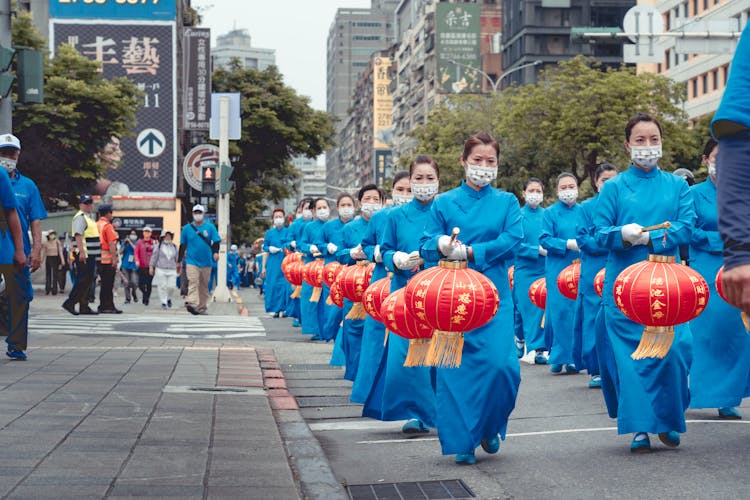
column 196, row 68
column 113, row 9
column 383, row 166
column 458, row 58
column 143, row 53
column 382, row 104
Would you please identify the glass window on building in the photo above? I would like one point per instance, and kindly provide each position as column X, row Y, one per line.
column 715, row 75
column 695, row 87
column 705, row 83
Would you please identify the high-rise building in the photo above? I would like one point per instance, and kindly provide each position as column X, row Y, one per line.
column 237, row 44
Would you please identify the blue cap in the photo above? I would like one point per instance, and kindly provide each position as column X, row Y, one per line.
column 86, row 198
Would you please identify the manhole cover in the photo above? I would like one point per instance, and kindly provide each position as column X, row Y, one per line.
column 419, row 490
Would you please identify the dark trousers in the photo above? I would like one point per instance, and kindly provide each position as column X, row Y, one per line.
column 52, row 274
column 107, row 276
column 85, row 274
column 144, row 283
column 132, row 285
column 18, row 295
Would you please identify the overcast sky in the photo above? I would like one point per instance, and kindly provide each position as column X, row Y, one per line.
column 296, row 29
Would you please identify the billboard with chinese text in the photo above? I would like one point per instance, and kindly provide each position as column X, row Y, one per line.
column 382, row 104
column 196, row 78
column 145, row 54
column 458, row 57
column 113, row 9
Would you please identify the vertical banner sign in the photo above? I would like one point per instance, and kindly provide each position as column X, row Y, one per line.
column 382, row 122
column 383, row 166
column 458, row 57
column 196, row 77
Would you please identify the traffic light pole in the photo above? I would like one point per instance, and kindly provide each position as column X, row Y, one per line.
column 6, row 104
column 221, row 292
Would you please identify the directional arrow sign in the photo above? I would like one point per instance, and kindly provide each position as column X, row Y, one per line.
column 150, row 142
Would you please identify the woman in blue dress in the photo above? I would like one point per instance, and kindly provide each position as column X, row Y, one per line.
column 294, row 233
column 721, row 346
column 312, row 312
column 588, row 302
column 277, row 287
column 399, row 392
column 651, row 394
column 559, row 226
column 474, row 401
column 529, row 267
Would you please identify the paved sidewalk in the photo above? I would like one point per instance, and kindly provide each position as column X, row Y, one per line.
column 92, row 416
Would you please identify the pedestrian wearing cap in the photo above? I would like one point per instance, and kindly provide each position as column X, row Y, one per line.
column 88, row 249
column 199, row 249
column 107, row 265
column 143, row 251
column 164, row 269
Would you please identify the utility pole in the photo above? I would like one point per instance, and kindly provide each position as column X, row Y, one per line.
column 6, row 103
column 221, row 292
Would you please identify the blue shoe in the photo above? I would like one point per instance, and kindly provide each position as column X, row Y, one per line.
column 491, row 445
column 730, row 413
column 466, row 458
column 540, row 358
column 555, row 368
column 671, row 438
column 595, row 382
column 641, row 443
column 571, row 368
column 520, row 347
column 296, row 324
column 16, row 354
column 414, row 426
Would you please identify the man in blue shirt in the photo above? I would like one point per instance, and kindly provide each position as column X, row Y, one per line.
column 30, row 213
column 199, row 248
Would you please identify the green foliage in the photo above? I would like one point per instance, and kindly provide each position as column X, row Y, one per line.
column 571, row 120
column 82, row 111
column 276, row 125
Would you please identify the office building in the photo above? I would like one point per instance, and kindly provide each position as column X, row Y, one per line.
column 237, row 44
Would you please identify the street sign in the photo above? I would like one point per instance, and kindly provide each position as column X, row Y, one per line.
column 151, row 142
column 710, row 44
column 235, row 116
column 642, row 20
column 195, row 159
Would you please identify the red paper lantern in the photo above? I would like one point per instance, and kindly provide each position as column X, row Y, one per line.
column 289, row 258
column 293, row 274
column 331, row 271
column 312, row 273
column 659, row 293
column 567, row 280
column 511, row 274
column 335, row 295
column 398, row 319
column 599, row 281
column 374, row 296
column 720, row 290
column 354, row 282
column 538, row 293
column 452, row 299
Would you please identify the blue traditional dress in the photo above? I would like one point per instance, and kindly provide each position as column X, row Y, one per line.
column 475, row 400
column 310, row 316
column 529, row 267
column 721, row 347
column 277, row 287
column 233, row 271
column 559, row 224
column 399, row 392
column 332, row 233
column 652, row 394
column 294, row 233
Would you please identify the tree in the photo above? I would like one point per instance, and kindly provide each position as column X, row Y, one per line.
column 63, row 137
column 277, row 124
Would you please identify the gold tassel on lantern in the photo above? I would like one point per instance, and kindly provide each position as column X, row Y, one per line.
column 296, row 293
column 329, row 301
column 655, row 342
column 315, row 297
column 417, row 353
column 357, row 311
column 445, row 349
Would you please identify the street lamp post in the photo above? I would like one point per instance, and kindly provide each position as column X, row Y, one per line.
column 496, row 83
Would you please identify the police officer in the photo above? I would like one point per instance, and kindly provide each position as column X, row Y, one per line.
column 87, row 249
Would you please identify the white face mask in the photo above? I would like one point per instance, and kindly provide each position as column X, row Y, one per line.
column 297, row 216
column 133, row 237
column 307, row 214
column 323, row 214
column 346, row 212
column 568, row 196
column 479, row 175
column 534, row 199
column 400, row 199
column 278, row 221
column 198, row 217
column 712, row 169
column 424, row 192
column 645, row 156
column 371, row 208
column 8, row 164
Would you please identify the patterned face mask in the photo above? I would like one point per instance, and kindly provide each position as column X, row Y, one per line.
column 534, row 199
column 371, row 208
column 646, row 156
column 424, row 192
column 479, row 175
column 400, row 199
column 568, row 196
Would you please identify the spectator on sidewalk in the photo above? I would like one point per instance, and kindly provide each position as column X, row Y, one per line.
column 128, row 266
column 164, row 269
column 52, row 255
column 108, row 263
column 199, row 247
column 143, row 250
column 87, row 249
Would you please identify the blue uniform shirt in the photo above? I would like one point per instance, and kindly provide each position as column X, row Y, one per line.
column 8, row 200
column 29, row 205
column 198, row 252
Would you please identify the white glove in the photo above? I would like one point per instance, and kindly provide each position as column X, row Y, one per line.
column 376, row 254
column 444, row 244
column 644, row 238
column 458, row 252
column 273, row 249
column 542, row 251
column 572, row 245
column 414, row 259
column 356, row 253
column 632, row 233
column 332, row 248
column 293, row 244
column 314, row 250
column 401, row 260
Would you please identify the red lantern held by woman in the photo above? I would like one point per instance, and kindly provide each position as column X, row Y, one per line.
column 452, row 299
column 331, row 271
column 293, row 274
column 538, row 293
column 599, row 281
column 567, row 280
column 720, row 290
column 335, row 295
column 289, row 258
column 354, row 282
column 312, row 273
column 659, row 293
column 398, row 319
column 374, row 296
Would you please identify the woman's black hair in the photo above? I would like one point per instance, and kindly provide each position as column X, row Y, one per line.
column 709, row 147
column 315, row 203
column 600, row 169
column 533, row 179
column 342, row 196
column 637, row 118
column 370, row 187
column 564, row 175
column 401, row 174
column 424, row 159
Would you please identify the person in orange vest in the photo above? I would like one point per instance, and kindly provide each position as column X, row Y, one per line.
column 108, row 264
